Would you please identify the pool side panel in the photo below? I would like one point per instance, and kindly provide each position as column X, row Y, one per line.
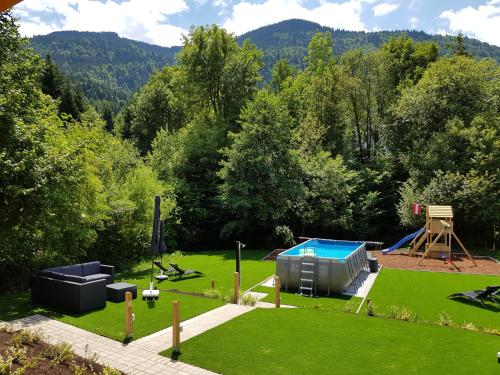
column 331, row 275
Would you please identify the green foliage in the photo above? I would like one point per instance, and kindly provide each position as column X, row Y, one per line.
column 260, row 173
column 69, row 189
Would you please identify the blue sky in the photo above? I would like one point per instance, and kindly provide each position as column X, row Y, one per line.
column 163, row 22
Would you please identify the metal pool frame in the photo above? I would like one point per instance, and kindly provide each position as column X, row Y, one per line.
column 331, row 275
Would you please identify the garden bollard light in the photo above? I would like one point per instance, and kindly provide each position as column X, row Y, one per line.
column 128, row 315
column 236, row 288
column 176, row 330
column 277, row 292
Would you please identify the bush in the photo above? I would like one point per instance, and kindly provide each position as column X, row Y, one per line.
column 348, row 307
column 26, row 337
column 211, row 293
column 444, row 320
column 110, row 371
column 371, row 308
column 61, row 353
column 248, row 299
column 17, row 354
column 469, row 326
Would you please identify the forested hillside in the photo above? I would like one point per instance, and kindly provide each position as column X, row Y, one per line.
column 106, row 67
column 110, row 68
column 289, row 40
column 338, row 149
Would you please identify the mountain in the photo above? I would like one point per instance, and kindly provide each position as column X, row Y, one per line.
column 289, row 40
column 104, row 65
column 110, row 68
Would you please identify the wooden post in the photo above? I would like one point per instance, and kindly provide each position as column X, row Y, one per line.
column 236, row 288
column 128, row 314
column 212, row 284
column 277, row 292
column 176, row 329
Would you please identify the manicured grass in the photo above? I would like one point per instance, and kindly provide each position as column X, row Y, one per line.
column 109, row 321
column 335, row 302
column 218, row 265
column 425, row 293
column 307, row 341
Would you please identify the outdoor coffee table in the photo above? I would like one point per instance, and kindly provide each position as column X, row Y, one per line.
column 116, row 292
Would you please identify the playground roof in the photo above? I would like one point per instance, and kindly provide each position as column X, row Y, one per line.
column 440, row 211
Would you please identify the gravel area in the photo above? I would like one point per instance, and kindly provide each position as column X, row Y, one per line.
column 464, row 265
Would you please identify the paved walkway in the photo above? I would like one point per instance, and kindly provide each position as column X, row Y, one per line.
column 162, row 340
column 140, row 356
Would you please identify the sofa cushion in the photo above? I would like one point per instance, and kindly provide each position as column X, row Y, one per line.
column 97, row 276
column 75, row 270
column 63, row 276
column 91, row 268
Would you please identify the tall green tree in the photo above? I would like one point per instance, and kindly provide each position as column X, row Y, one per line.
column 260, row 174
column 221, row 74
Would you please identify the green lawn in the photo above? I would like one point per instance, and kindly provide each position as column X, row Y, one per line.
column 218, row 265
column 307, row 341
column 425, row 293
column 110, row 320
column 335, row 302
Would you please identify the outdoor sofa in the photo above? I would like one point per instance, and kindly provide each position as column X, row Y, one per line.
column 78, row 287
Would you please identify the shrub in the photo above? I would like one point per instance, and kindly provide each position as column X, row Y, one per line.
column 5, row 365
column 408, row 315
column 90, row 358
column 61, row 353
column 492, row 331
column 228, row 296
column 371, row 308
column 444, row 320
column 248, row 299
column 110, row 371
column 393, row 312
column 17, row 354
column 469, row 326
column 26, row 337
column 211, row 293
column 78, row 370
column 348, row 307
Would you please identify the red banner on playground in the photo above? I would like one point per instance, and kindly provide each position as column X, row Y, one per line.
column 416, row 208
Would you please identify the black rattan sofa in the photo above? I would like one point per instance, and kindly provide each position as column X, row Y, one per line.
column 78, row 287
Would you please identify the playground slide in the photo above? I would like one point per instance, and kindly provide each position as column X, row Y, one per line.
column 402, row 241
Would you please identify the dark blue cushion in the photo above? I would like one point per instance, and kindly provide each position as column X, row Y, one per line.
column 91, row 268
column 97, row 276
column 75, row 270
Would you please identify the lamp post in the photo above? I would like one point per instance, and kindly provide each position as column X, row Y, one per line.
column 238, row 257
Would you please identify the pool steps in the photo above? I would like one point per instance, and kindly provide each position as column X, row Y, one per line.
column 307, row 268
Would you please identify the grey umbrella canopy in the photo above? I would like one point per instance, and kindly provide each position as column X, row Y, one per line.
column 162, row 247
column 156, row 226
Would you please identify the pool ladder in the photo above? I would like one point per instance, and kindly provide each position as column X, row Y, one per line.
column 307, row 269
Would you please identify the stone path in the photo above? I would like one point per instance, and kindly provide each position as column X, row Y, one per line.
column 140, row 356
column 162, row 340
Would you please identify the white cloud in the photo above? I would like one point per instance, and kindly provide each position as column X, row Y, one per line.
column 482, row 22
column 248, row 16
column 135, row 19
column 384, row 8
column 413, row 22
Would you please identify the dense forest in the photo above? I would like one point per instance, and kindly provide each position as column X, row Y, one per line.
column 340, row 149
column 109, row 69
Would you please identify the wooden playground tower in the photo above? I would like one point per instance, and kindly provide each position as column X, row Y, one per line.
column 437, row 235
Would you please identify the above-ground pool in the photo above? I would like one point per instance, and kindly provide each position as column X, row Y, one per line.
column 330, row 265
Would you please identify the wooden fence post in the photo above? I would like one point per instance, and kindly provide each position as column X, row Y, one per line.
column 176, row 329
column 236, row 288
column 212, row 284
column 128, row 315
column 277, row 292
